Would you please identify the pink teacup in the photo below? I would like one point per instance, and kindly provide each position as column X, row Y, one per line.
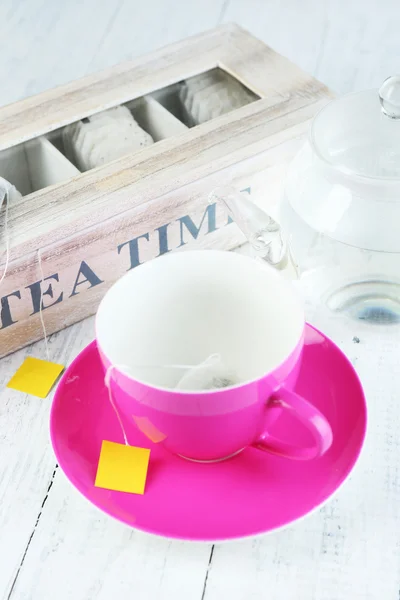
column 184, row 307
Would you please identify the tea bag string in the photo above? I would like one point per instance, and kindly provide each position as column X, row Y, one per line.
column 107, row 383
column 8, row 193
column 39, row 253
column 4, row 197
column 6, row 236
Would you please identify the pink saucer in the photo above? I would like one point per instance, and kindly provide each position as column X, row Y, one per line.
column 249, row 494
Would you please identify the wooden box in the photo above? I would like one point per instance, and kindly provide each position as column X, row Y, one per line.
column 92, row 227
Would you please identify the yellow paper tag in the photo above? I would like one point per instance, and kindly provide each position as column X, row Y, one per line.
column 35, row 376
column 122, row 468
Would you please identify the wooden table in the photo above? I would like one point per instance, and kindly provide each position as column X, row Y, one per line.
column 53, row 544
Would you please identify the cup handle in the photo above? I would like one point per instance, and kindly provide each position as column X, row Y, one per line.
column 309, row 416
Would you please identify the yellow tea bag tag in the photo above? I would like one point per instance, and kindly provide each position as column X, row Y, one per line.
column 122, row 468
column 35, row 376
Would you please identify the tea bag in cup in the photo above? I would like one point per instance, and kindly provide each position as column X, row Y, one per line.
column 210, row 374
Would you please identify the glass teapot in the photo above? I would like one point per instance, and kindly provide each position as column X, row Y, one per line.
column 340, row 215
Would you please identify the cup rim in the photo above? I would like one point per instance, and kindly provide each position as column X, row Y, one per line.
column 297, row 346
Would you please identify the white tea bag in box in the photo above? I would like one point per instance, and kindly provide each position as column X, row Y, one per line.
column 210, row 95
column 208, row 375
column 104, row 137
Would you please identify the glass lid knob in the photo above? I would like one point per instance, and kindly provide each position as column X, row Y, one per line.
column 389, row 96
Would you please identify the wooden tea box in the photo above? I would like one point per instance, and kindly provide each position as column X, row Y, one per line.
column 88, row 228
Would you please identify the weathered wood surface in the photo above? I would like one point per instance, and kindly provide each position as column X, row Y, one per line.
column 52, row 543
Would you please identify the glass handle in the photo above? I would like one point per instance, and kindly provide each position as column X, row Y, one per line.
column 389, row 97
column 262, row 231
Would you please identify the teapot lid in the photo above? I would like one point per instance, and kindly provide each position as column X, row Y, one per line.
column 359, row 133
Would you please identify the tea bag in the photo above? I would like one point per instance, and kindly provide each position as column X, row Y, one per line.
column 209, row 95
column 210, row 374
column 103, row 138
column 8, row 191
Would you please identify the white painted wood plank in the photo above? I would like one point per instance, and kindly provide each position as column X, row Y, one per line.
column 155, row 24
column 48, row 43
column 360, row 45
column 77, row 552
column 291, row 28
column 51, row 42
column 27, row 461
column 347, row 45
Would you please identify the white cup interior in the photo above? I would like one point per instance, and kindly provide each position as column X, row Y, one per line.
column 185, row 306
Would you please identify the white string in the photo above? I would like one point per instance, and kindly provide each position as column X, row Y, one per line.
column 107, row 382
column 40, row 306
column 7, row 239
column 8, row 193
